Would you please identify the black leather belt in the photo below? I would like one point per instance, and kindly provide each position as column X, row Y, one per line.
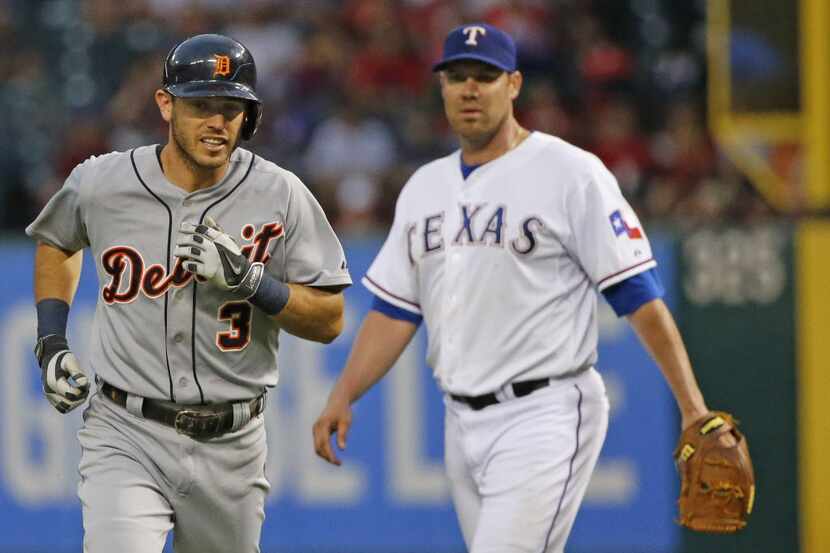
column 520, row 389
column 197, row 421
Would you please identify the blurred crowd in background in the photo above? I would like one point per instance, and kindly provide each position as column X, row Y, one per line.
column 350, row 103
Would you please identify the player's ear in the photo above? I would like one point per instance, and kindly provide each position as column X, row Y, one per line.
column 442, row 81
column 165, row 103
column 514, row 82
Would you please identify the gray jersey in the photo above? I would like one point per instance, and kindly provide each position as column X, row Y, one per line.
column 161, row 334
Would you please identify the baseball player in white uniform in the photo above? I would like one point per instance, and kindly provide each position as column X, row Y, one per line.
column 188, row 313
column 501, row 248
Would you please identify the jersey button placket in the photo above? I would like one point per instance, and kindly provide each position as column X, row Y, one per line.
column 180, row 310
column 453, row 263
column 188, row 211
column 451, row 309
column 179, row 318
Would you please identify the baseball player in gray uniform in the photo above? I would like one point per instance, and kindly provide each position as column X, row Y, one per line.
column 203, row 251
column 501, row 248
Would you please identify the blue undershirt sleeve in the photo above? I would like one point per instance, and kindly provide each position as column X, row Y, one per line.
column 627, row 296
column 395, row 312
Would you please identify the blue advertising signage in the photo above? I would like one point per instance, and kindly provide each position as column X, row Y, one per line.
column 390, row 495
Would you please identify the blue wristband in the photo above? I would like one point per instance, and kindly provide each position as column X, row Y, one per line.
column 271, row 296
column 52, row 315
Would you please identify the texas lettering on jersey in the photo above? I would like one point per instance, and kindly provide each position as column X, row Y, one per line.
column 129, row 274
column 479, row 225
column 504, row 265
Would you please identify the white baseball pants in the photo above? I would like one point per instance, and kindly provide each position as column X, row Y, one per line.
column 518, row 470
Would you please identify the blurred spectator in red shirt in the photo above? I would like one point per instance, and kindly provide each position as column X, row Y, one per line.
column 83, row 138
column 683, row 149
column 387, row 68
column 685, row 159
column 529, row 22
column 621, row 146
column 543, row 111
column 601, row 60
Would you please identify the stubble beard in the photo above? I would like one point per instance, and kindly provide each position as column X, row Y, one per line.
column 480, row 138
column 185, row 150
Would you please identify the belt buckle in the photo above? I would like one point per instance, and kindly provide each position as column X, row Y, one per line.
column 196, row 424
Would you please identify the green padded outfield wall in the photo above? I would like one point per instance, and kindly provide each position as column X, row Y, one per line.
column 736, row 312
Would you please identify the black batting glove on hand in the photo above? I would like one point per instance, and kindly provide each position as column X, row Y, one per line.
column 208, row 251
column 64, row 383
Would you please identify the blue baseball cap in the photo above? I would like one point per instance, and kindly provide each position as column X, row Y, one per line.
column 482, row 42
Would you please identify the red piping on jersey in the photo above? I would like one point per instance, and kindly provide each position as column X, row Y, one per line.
column 649, row 260
column 385, row 291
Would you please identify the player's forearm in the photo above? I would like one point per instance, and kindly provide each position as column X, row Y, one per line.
column 658, row 332
column 312, row 313
column 56, row 273
column 379, row 343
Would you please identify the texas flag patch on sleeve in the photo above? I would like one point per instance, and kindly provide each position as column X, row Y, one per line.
column 621, row 227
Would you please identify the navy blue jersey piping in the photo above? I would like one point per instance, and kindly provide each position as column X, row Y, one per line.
column 195, row 283
column 570, row 469
column 167, row 263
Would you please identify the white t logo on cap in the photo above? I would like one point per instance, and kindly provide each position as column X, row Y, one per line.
column 472, row 33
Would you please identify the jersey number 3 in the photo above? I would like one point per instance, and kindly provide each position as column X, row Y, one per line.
column 238, row 314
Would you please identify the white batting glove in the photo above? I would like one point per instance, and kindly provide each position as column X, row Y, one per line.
column 64, row 383
column 208, row 251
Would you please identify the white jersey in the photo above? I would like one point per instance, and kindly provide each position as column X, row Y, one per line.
column 505, row 266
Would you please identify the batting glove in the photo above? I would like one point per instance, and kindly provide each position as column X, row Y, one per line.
column 64, row 383
column 208, row 251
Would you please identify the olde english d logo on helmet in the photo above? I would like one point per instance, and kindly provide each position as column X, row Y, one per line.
column 223, row 66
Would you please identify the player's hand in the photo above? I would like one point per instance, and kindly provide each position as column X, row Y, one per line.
column 208, row 251
column 64, row 383
column 726, row 439
column 336, row 417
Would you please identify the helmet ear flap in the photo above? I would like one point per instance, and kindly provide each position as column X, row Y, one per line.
column 253, row 115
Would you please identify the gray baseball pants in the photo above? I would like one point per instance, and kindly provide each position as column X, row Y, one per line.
column 141, row 479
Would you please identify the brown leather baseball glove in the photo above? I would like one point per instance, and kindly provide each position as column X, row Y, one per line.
column 717, row 483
